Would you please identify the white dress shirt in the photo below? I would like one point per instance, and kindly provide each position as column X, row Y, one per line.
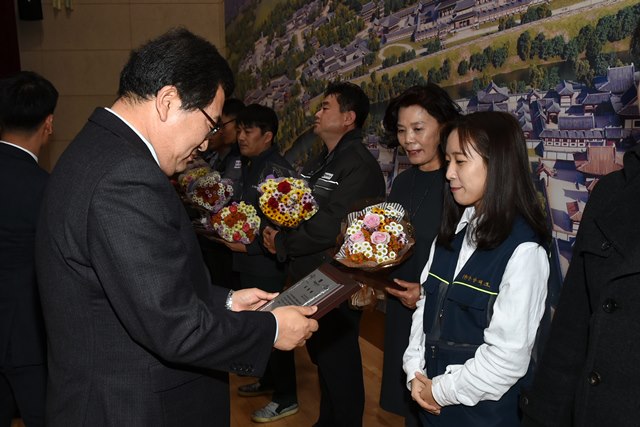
column 504, row 356
column 147, row 143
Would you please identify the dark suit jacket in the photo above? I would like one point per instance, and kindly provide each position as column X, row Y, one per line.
column 137, row 334
column 22, row 184
column 589, row 373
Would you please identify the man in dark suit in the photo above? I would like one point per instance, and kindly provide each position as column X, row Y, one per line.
column 27, row 101
column 137, row 336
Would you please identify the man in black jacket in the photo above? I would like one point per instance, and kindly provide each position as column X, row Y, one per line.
column 27, row 101
column 344, row 177
column 257, row 127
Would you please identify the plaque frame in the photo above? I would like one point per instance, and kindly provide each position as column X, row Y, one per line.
column 333, row 286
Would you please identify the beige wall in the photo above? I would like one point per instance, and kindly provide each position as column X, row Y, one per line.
column 81, row 51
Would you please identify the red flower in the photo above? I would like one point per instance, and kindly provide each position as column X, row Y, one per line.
column 307, row 207
column 273, row 202
column 233, row 208
column 284, row 187
column 246, row 227
column 236, row 236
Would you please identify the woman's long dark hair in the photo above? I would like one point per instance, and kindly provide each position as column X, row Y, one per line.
column 509, row 192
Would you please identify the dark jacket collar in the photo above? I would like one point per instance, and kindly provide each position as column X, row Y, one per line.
column 631, row 164
column 262, row 156
column 616, row 219
column 347, row 141
column 113, row 123
column 18, row 154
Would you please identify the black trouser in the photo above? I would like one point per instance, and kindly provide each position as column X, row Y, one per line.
column 394, row 395
column 335, row 349
column 218, row 259
column 280, row 373
column 23, row 388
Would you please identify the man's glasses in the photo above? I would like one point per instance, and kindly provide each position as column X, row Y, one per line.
column 222, row 126
column 215, row 126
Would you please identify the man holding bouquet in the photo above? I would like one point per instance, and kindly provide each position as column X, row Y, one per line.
column 223, row 156
column 257, row 127
column 344, row 177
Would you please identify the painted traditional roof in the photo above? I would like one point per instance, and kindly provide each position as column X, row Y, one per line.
column 601, row 161
column 564, row 88
column 576, row 122
column 618, row 79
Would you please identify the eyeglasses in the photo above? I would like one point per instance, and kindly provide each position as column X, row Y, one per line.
column 222, row 126
column 215, row 126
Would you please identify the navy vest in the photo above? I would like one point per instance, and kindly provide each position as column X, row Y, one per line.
column 457, row 311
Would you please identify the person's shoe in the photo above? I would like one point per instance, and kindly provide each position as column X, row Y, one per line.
column 273, row 412
column 253, row 389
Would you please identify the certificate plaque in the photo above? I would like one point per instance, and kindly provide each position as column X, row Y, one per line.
column 325, row 287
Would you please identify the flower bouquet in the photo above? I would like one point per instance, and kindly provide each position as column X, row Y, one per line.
column 190, row 176
column 376, row 237
column 211, row 192
column 238, row 222
column 286, row 201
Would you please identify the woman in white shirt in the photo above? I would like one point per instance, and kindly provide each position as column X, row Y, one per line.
column 485, row 281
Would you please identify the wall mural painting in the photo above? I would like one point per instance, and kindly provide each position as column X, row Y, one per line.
column 564, row 68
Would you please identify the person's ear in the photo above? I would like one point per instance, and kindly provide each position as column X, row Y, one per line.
column 48, row 125
column 268, row 138
column 350, row 118
column 166, row 99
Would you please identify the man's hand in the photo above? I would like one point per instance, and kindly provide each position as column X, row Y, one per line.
column 250, row 299
column 294, row 328
column 236, row 246
column 410, row 296
column 421, row 393
column 269, row 239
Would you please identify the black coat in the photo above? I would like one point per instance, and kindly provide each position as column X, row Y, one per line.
column 22, row 184
column 137, row 336
column 420, row 193
column 589, row 373
column 347, row 179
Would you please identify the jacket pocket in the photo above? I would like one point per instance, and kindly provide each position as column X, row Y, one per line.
column 466, row 314
column 431, row 309
column 163, row 378
column 323, row 188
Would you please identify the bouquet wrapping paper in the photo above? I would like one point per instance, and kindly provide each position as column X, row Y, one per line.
column 376, row 237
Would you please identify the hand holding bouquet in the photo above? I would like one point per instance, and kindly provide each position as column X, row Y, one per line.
column 211, row 192
column 238, row 222
column 375, row 237
column 286, row 201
